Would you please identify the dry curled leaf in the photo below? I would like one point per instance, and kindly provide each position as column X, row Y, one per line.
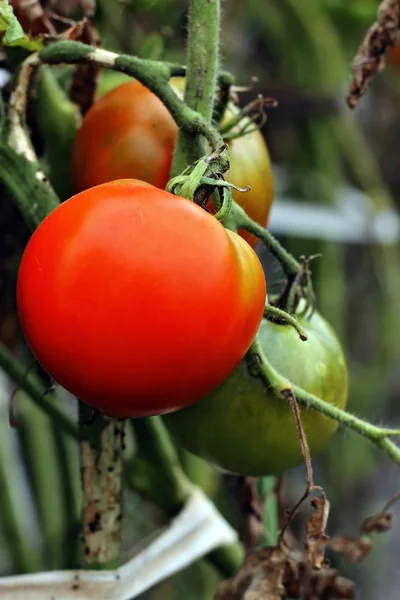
column 260, row 577
column 370, row 58
column 378, row 523
column 275, row 573
column 354, row 549
column 317, row 540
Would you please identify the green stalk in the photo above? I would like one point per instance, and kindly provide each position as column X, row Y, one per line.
column 12, row 517
column 201, row 76
column 36, row 434
column 57, row 118
column 35, row 388
column 67, row 455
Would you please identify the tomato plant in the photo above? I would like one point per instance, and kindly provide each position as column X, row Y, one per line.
column 129, row 133
column 242, row 427
column 135, row 303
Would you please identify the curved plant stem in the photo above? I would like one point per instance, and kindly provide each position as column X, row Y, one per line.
column 153, row 74
column 281, row 386
column 276, row 314
column 12, row 518
column 289, row 264
column 34, row 387
column 201, row 74
column 43, row 468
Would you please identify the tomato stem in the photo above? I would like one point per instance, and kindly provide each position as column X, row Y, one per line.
column 275, row 314
column 289, row 264
column 153, row 74
column 201, row 77
column 379, row 436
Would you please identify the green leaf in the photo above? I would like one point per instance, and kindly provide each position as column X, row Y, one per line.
column 14, row 34
column 9, row 23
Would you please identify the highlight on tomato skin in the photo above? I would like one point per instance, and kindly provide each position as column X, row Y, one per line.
column 243, row 428
column 128, row 132
column 137, row 301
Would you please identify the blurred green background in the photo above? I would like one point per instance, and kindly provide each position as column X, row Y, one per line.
column 300, row 51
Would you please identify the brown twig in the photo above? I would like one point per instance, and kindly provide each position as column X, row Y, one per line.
column 291, row 398
column 251, row 519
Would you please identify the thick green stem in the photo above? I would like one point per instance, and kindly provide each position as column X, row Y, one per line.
column 12, row 517
column 34, row 387
column 201, row 75
column 32, row 195
column 43, row 468
column 58, row 121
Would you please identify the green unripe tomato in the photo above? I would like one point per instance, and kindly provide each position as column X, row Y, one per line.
column 243, row 428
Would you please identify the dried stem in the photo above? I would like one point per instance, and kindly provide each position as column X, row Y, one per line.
column 101, row 469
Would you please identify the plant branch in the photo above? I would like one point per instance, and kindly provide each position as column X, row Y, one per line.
column 289, row 264
column 101, row 467
column 201, row 75
column 34, row 387
column 153, row 74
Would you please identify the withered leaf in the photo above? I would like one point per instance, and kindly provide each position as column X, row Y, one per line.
column 354, row 549
column 370, row 57
column 378, row 523
column 316, row 538
column 260, row 578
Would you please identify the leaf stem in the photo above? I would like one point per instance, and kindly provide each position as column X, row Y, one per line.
column 280, row 387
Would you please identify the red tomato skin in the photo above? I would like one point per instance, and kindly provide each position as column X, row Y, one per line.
column 137, row 301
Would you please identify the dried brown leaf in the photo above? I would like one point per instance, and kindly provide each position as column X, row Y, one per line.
column 316, row 538
column 354, row 549
column 370, row 57
column 260, row 578
column 378, row 523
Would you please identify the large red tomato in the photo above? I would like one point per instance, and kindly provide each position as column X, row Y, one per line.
column 137, row 301
column 129, row 133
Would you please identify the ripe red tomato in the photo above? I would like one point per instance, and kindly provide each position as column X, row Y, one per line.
column 137, row 301
column 243, row 428
column 129, row 133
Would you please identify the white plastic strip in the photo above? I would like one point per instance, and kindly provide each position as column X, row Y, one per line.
column 197, row 530
column 352, row 220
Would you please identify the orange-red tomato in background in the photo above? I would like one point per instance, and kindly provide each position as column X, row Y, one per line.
column 128, row 132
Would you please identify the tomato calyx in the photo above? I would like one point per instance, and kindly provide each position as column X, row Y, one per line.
column 200, row 180
column 250, row 118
